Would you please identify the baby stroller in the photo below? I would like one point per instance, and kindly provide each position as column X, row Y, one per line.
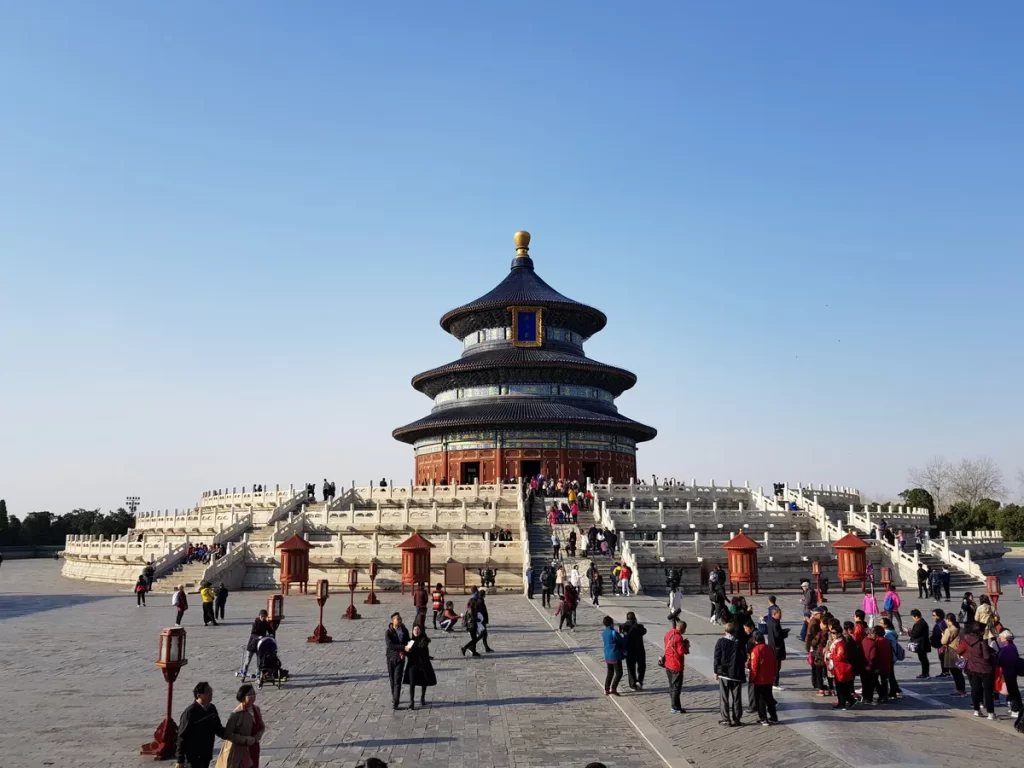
column 268, row 665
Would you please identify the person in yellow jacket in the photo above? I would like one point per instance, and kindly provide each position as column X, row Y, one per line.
column 207, row 594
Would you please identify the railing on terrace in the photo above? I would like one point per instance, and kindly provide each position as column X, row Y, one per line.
column 235, row 555
column 701, row 546
column 414, row 517
column 351, row 547
column 362, row 495
column 691, row 515
column 235, row 498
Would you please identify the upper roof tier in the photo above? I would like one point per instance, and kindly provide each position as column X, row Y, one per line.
column 523, row 287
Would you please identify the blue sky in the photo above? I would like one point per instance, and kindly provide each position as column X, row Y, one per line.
column 227, row 231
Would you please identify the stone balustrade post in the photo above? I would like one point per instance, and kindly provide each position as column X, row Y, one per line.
column 433, row 513
column 661, row 512
column 632, row 511
column 476, row 488
column 376, row 544
column 661, row 545
column 741, row 509
column 448, row 544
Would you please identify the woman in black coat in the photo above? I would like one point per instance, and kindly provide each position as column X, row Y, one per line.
column 418, row 669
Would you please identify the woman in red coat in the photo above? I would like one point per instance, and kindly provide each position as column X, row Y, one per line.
column 763, row 669
column 841, row 666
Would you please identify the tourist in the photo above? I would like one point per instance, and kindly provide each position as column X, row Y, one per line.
column 902, row 541
column 922, row 581
column 1009, row 662
column 547, row 586
column 261, row 627
column 895, row 692
column 675, row 603
column 553, row 516
column 878, row 663
column 676, row 648
column 625, row 573
column 614, row 645
column 919, row 642
column 140, row 592
column 596, row 587
column 481, row 606
column 556, row 544
column 1020, row 583
column 383, row 482
column 449, row 618
column 860, row 627
column 947, row 579
column 716, row 596
column 207, row 595
column 935, row 639
column 198, row 726
column 396, row 637
column 570, row 544
column 968, row 609
column 437, row 600
column 574, row 577
column 474, row 621
column 935, row 582
column 776, row 640
column 529, row 582
column 841, row 665
column 220, row 600
column 418, row 669
column 729, row 662
column 980, row 668
column 891, row 607
column 242, row 732
column 560, row 580
column 815, row 644
column 567, row 608
column 763, row 666
column 420, row 598
column 809, row 601
column 870, row 607
column 949, row 642
column 636, row 652
column 986, row 616
column 180, row 603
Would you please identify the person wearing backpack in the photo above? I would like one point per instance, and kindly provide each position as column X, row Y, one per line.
column 980, row 668
column 898, row 654
column 676, row 648
column 891, row 606
column 547, row 586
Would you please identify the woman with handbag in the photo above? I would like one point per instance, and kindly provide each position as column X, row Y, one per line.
column 950, row 641
column 242, row 733
column 980, row 667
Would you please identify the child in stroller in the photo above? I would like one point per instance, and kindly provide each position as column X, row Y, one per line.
column 268, row 665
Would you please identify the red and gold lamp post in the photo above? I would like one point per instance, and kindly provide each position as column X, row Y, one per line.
column 275, row 610
column 353, row 581
column 886, row 576
column 371, row 599
column 993, row 589
column 320, row 633
column 170, row 659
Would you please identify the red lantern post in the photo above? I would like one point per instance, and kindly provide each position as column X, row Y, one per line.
column 275, row 610
column 993, row 589
column 851, row 552
column 415, row 561
column 886, row 576
column 353, row 581
column 742, row 551
column 320, row 633
column 170, row 660
column 371, row 599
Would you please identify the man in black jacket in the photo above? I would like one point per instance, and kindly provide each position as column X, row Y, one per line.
column 396, row 637
column 730, row 660
column 197, row 728
column 636, row 653
column 919, row 639
column 776, row 639
column 220, row 600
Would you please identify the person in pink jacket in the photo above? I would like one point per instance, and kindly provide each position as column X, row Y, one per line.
column 891, row 606
column 1020, row 583
column 870, row 606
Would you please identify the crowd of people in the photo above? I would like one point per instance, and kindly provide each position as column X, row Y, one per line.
column 203, row 553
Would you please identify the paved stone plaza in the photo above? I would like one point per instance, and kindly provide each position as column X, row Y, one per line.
column 80, row 688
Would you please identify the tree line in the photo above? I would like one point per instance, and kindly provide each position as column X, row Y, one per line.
column 46, row 528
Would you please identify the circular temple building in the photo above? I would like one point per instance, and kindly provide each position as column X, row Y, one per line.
column 523, row 399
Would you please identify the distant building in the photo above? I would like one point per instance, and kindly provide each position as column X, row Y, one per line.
column 524, row 399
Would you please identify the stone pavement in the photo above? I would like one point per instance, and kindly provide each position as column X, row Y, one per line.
column 78, row 668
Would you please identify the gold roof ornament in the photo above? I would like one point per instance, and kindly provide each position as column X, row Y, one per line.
column 522, row 241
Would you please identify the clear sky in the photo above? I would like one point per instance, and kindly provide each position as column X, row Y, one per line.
column 228, row 231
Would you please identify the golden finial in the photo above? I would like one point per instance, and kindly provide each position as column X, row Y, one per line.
column 522, row 241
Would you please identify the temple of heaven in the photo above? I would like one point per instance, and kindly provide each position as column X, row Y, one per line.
column 523, row 399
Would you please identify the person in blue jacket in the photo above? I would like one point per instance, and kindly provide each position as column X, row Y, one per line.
column 614, row 651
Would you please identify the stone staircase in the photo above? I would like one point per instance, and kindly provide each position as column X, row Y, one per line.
column 959, row 581
column 188, row 575
column 541, row 553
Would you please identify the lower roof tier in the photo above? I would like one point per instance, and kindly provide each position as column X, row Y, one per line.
column 523, row 414
column 514, row 364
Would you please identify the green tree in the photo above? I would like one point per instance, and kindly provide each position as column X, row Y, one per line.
column 35, row 529
column 1010, row 520
column 13, row 531
column 918, row 497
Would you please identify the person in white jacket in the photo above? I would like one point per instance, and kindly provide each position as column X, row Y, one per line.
column 675, row 604
column 574, row 577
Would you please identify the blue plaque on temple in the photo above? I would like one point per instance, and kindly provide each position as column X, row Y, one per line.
column 526, row 327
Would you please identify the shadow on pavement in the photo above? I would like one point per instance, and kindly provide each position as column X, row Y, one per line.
column 12, row 606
